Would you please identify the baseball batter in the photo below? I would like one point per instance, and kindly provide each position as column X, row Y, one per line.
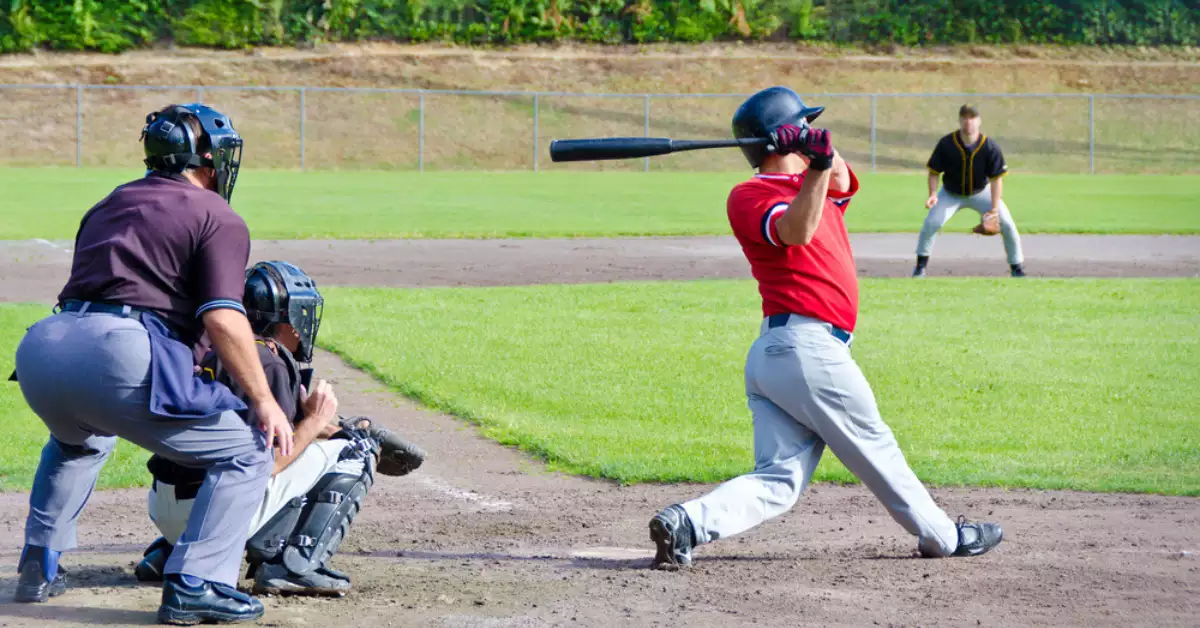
column 804, row 389
column 970, row 166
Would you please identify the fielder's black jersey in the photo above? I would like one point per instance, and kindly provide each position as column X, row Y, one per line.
column 965, row 169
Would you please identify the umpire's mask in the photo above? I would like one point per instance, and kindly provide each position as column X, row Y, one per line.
column 279, row 292
column 172, row 146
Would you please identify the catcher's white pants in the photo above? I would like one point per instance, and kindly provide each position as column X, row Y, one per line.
column 805, row 392
column 948, row 204
column 170, row 515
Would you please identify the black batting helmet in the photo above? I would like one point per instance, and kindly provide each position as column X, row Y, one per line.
column 171, row 146
column 279, row 292
column 766, row 111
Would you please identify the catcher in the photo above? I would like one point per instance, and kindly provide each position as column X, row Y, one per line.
column 313, row 494
column 970, row 166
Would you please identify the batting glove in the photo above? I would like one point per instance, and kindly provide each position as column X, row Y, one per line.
column 818, row 147
column 788, row 138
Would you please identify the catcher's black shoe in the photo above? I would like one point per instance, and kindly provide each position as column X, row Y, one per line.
column 674, row 537
column 210, row 603
column 1017, row 270
column 154, row 560
column 975, row 538
column 32, row 584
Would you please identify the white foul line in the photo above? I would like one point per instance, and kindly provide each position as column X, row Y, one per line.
column 487, row 504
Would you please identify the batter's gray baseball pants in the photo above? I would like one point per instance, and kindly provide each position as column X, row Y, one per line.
column 805, row 392
column 87, row 375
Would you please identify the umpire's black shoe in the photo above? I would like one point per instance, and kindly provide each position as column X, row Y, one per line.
column 977, row 538
column 32, row 585
column 209, row 603
column 154, row 561
column 674, row 537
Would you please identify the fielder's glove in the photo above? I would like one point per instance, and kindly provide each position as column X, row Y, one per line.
column 816, row 144
column 989, row 224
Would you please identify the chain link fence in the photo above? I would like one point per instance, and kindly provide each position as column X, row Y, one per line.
column 407, row 129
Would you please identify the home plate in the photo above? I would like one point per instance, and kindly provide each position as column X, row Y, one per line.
column 612, row 553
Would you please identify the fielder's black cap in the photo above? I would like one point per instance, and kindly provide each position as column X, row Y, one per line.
column 968, row 111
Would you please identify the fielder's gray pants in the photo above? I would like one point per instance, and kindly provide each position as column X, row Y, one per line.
column 805, row 392
column 948, row 204
column 87, row 377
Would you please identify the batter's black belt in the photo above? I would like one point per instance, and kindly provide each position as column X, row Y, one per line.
column 779, row 320
column 116, row 309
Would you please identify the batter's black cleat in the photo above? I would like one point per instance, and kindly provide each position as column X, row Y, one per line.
column 977, row 538
column 674, row 537
column 1017, row 270
column 154, row 560
column 209, row 603
column 32, row 585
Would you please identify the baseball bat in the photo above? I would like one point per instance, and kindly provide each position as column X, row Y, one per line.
column 597, row 149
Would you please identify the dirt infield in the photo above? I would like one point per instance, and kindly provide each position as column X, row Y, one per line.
column 484, row 536
column 35, row 270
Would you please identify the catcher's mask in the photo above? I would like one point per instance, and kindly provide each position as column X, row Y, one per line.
column 171, row 146
column 278, row 292
column 766, row 111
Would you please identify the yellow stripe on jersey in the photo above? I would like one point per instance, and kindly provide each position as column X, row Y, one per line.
column 961, row 151
column 982, row 141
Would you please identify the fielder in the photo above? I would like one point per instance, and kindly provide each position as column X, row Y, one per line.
column 156, row 264
column 314, row 494
column 970, row 166
column 804, row 389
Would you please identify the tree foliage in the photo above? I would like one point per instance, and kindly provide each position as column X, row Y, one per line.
column 112, row 26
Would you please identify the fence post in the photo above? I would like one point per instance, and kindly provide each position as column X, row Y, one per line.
column 78, row 125
column 200, row 94
column 421, row 133
column 872, row 132
column 1092, row 133
column 646, row 131
column 303, row 117
column 536, row 123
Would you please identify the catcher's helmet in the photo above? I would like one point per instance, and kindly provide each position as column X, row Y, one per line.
column 278, row 292
column 171, row 146
column 766, row 111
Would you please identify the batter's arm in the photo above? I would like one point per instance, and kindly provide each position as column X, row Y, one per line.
column 798, row 224
column 841, row 174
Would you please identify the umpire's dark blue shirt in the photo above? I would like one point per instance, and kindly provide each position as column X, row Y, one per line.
column 966, row 169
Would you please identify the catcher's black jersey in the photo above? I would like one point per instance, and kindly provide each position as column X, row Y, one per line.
column 965, row 169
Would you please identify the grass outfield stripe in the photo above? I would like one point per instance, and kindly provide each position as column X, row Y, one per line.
column 1081, row 384
column 48, row 203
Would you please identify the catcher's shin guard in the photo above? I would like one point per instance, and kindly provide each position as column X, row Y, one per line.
column 332, row 505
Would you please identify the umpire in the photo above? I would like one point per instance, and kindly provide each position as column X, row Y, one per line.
column 156, row 264
column 971, row 166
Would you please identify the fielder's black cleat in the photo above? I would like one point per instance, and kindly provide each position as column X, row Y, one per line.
column 32, row 585
column 1017, row 270
column 977, row 538
column 154, row 560
column 674, row 537
column 210, row 603
column 918, row 271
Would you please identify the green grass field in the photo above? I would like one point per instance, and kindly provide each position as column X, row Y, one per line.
column 24, row 434
column 47, row 203
column 1081, row 384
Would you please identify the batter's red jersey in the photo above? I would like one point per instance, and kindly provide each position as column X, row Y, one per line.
column 816, row 280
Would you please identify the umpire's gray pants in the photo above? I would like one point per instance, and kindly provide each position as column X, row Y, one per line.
column 87, row 377
column 805, row 392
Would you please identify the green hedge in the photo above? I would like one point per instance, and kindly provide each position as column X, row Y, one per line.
column 115, row 25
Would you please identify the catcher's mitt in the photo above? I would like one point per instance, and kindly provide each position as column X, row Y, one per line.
column 988, row 225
